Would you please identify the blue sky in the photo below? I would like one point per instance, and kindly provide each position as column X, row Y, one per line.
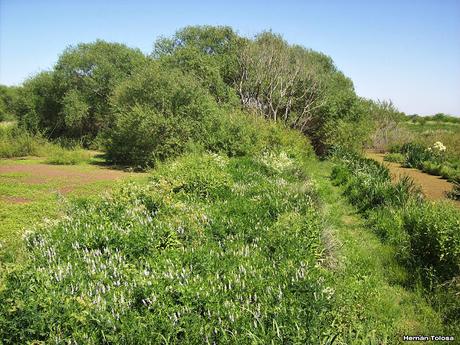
column 406, row 51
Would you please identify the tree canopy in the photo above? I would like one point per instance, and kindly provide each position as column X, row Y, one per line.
column 95, row 85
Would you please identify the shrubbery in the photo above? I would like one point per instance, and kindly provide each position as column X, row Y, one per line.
column 17, row 142
column 160, row 114
column 434, row 238
column 72, row 100
column 8, row 99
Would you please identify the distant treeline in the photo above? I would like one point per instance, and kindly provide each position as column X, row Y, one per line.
column 439, row 117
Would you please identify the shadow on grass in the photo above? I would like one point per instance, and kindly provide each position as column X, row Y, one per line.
column 101, row 160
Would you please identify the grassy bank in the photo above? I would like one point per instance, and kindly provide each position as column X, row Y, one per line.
column 423, row 234
column 197, row 255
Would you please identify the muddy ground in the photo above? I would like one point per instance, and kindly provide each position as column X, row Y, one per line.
column 434, row 187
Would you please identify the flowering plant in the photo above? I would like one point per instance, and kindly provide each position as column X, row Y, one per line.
column 437, row 151
column 439, row 146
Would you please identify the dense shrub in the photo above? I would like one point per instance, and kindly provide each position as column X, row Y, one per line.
column 142, row 136
column 8, row 100
column 162, row 112
column 434, row 238
column 158, row 112
column 415, row 154
column 195, row 256
column 283, row 82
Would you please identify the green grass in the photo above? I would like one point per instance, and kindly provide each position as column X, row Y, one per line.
column 371, row 304
column 24, row 204
column 17, row 142
column 253, row 250
column 62, row 156
column 237, row 250
column 424, row 235
column 394, row 157
column 213, row 248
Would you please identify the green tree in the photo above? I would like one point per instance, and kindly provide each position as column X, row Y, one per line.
column 300, row 87
column 158, row 112
column 220, row 42
column 8, row 102
column 38, row 105
column 209, row 53
column 86, row 76
column 72, row 100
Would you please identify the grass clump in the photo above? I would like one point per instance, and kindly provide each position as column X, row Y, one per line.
column 434, row 238
column 395, row 157
column 61, row 156
column 17, row 142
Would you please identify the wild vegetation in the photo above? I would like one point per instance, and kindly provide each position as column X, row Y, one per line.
column 18, row 142
column 429, row 143
column 432, row 160
column 235, row 237
column 425, row 234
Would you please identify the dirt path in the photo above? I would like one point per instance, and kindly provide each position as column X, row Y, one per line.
column 434, row 187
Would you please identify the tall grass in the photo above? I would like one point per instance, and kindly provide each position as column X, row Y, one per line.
column 62, row 156
column 17, row 142
column 424, row 234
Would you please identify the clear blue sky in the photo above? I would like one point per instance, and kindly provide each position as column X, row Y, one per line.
column 406, row 51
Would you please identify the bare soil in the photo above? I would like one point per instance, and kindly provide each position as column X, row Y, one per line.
column 434, row 187
column 16, row 199
column 69, row 177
